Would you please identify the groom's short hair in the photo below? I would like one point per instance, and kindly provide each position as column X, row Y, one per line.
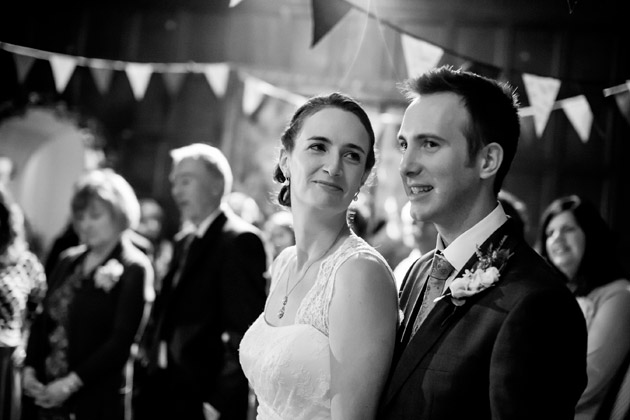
column 492, row 106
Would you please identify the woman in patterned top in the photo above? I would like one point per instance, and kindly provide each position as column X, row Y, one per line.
column 96, row 306
column 22, row 287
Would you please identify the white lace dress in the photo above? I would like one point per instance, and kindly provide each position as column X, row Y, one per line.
column 289, row 367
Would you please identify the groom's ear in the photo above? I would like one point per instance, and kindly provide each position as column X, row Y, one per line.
column 490, row 158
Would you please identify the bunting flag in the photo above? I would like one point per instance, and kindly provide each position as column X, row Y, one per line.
column 542, row 93
column 139, row 75
column 62, row 68
column 218, row 76
column 253, row 95
column 326, row 14
column 255, row 90
column 622, row 97
column 102, row 78
column 23, row 64
column 173, row 82
column 420, row 56
column 579, row 113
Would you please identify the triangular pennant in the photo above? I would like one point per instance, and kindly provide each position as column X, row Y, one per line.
column 579, row 113
column 542, row 92
column 139, row 75
column 23, row 64
column 234, row 3
column 218, row 76
column 326, row 14
column 62, row 68
column 102, row 78
column 420, row 55
column 253, row 95
column 623, row 102
column 173, row 82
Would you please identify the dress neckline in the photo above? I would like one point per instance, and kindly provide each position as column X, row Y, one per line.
column 292, row 257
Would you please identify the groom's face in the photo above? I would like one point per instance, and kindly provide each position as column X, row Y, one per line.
column 437, row 175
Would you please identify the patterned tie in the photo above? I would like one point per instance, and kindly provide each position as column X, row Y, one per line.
column 441, row 269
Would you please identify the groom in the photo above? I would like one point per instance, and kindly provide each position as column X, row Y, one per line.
column 506, row 340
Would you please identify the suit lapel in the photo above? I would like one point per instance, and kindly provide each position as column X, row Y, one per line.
column 201, row 247
column 441, row 318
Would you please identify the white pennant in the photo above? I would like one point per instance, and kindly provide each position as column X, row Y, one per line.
column 217, row 75
column 420, row 56
column 62, row 68
column 23, row 64
column 234, row 3
column 542, row 92
column 253, row 95
column 579, row 113
column 139, row 75
column 102, row 78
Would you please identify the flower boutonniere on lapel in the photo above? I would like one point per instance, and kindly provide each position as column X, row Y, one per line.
column 107, row 275
column 483, row 274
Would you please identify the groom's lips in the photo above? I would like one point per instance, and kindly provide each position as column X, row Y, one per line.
column 419, row 189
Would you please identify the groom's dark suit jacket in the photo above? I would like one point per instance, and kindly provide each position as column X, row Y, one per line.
column 516, row 350
column 221, row 291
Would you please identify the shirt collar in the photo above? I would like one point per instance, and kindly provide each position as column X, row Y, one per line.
column 465, row 245
column 202, row 228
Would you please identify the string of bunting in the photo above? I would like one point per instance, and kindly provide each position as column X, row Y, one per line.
column 139, row 75
column 421, row 55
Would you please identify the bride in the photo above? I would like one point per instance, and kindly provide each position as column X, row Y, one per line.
column 322, row 348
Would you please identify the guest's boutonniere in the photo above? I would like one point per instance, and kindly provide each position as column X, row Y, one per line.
column 484, row 273
column 107, row 275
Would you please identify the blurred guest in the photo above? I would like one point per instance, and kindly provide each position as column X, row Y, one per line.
column 214, row 290
column 279, row 232
column 575, row 239
column 95, row 307
column 419, row 236
column 151, row 226
column 245, row 207
column 22, row 288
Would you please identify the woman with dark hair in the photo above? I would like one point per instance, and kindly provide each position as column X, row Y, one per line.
column 22, row 288
column 96, row 306
column 576, row 240
column 322, row 348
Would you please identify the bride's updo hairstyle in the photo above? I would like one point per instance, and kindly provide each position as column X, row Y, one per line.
column 311, row 107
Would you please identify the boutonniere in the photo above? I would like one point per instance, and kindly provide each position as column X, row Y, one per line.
column 483, row 274
column 107, row 275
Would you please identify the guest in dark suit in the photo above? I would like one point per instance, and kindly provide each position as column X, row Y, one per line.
column 214, row 290
column 96, row 305
column 505, row 339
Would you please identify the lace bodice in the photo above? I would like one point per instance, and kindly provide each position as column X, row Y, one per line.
column 289, row 367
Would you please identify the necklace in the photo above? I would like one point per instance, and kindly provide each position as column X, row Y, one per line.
column 287, row 292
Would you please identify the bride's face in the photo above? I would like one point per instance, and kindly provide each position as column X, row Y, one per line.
column 327, row 165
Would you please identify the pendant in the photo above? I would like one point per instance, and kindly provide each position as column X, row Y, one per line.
column 284, row 304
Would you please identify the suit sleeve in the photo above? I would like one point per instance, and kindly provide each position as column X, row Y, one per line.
column 130, row 311
column 244, row 284
column 538, row 366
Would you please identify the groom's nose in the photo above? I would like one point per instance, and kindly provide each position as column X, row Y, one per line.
column 409, row 163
